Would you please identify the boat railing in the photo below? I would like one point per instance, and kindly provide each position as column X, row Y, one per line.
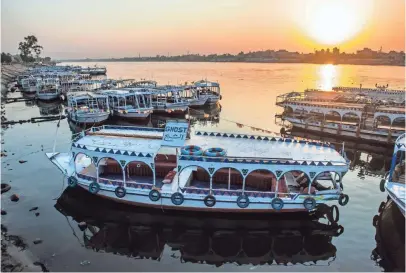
column 234, row 192
column 258, row 160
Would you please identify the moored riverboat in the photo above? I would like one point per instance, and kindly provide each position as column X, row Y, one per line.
column 357, row 121
column 48, row 89
column 173, row 168
column 208, row 90
column 130, row 104
column 88, row 108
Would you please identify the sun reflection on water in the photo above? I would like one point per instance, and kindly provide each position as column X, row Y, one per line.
column 327, row 76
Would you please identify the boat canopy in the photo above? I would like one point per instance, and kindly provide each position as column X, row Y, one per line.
column 149, row 141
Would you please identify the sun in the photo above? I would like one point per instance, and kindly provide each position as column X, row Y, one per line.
column 331, row 22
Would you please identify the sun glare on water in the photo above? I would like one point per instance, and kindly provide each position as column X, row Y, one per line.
column 330, row 22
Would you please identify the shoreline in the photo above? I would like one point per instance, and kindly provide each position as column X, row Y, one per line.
column 15, row 255
column 186, row 61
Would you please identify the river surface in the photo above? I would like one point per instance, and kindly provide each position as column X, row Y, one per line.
column 128, row 239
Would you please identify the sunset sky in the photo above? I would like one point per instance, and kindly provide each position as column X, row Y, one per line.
column 119, row 28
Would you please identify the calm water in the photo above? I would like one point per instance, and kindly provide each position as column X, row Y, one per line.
column 149, row 241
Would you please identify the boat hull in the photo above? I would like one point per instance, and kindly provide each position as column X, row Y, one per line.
column 132, row 115
column 365, row 135
column 194, row 202
column 90, row 118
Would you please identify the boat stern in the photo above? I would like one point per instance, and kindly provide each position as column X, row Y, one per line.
column 64, row 162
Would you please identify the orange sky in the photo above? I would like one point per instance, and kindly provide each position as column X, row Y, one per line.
column 98, row 28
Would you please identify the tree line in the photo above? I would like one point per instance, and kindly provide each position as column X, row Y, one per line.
column 29, row 51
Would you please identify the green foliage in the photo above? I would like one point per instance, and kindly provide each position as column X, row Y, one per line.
column 6, row 58
column 29, row 48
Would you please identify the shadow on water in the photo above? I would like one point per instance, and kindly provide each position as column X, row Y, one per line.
column 390, row 238
column 208, row 238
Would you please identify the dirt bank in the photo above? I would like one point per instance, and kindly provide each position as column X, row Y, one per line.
column 15, row 257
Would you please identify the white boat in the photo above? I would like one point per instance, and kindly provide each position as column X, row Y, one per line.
column 169, row 101
column 394, row 183
column 48, row 89
column 144, row 84
column 350, row 120
column 210, row 90
column 88, row 108
column 129, row 105
column 192, row 95
column 29, row 84
column 171, row 168
column 94, row 70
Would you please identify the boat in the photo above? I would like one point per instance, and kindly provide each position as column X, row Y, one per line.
column 194, row 97
column 94, row 70
column 201, row 239
column 394, row 182
column 209, row 90
column 144, row 84
column 169, row 100
column 130, row 105
column 351, row 120
column 88, row 108
column 176, row 169
column 48, row 89
column 29, row 85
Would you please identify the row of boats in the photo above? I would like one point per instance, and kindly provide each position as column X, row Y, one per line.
column 93, row 101
column 179, row 168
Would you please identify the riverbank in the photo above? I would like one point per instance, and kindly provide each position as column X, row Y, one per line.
column 10, row 71
column 370, row 62
column 15, row 256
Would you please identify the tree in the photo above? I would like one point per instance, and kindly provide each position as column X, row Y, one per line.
column 29, row 47
column 6, row 58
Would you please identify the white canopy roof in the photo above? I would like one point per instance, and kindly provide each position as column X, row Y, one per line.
column 236, row 145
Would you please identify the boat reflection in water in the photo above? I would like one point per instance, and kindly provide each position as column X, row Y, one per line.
column 49, row 108
column 390, row 238
column 207, row 238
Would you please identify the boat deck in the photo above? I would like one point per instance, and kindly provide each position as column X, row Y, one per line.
column 238, row 146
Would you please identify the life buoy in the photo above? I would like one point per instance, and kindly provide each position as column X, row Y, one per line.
column 120, row 192
column 177, row 198
column 154, row 195
column 215, row 152
column 309, row 203
column 343, row 199
column 382, row 185
column 277, row 203
column 72, row 181
column 191, row 150
column 209, row 201
column 243, row 201
column 94, row 187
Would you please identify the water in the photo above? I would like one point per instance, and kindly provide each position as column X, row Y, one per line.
column 248, row 97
